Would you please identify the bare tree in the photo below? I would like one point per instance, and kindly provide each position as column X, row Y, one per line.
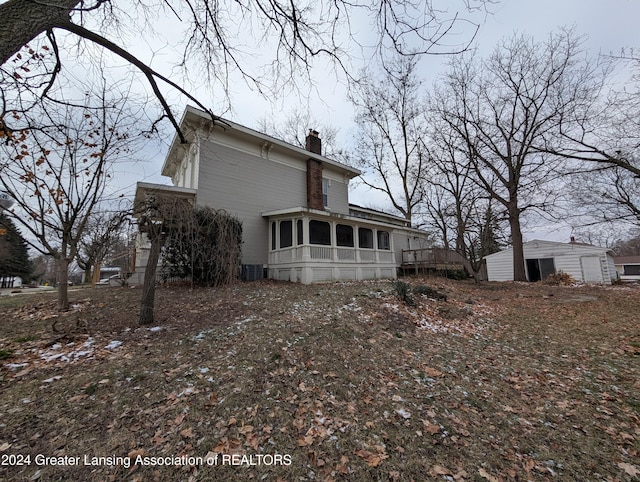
column 216, row 35
column 600, row 142
column 608, row 195
column 455, row 204
column 102, row 232
column 507, row 105
column 57, row 174
column 605, row 131
column 391, row 148
column 629, row 246
column 295, row 129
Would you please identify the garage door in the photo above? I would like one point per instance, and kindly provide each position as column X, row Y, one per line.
column 591, row 269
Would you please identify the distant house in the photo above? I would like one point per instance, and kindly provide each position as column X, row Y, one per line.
column 10, row 282
column 585, row 263
column 298, row 224
column 628, row 267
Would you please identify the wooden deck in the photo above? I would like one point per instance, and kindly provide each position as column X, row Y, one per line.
column 431, row 259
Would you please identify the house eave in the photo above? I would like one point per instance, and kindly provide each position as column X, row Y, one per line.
column 304, row 211
column 194, row 118
column 144, row 189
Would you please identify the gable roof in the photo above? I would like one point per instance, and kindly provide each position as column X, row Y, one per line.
column 193, row 119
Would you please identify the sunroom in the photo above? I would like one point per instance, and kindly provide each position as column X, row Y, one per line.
column 311, row 246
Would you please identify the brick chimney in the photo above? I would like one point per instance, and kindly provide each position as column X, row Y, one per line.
column 313, row 142
column 314, row 172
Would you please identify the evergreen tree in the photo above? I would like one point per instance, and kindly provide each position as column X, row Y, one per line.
column 14, row 254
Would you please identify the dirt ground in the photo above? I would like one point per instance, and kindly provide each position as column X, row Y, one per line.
column 345, row 381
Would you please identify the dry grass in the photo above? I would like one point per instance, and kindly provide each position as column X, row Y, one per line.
column 499, row 382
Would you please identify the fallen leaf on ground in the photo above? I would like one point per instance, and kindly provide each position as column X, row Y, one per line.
column 630, row 469
column 440, row 470
column 486, row 475
column 432, row 372
column 372, row 460
column 430, row 427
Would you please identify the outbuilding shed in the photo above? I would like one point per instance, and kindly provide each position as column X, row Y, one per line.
column 584, row 262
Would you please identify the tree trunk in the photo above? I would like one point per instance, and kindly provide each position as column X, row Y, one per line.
column 87, row 274
column 63, row 278
column 95, row 275
column 519, row 273
column 149, row 287
column 24, row 20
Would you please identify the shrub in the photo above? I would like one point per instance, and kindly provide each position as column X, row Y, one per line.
column 559, row 279
column 403, row 290
column 5, row 354
column 429, row 292
column 204, row 246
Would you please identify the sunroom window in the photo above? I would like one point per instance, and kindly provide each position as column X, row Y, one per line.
column 319, row 232
column 383, row 240
column 365, row 238
column 344, row 235
column 286, row 234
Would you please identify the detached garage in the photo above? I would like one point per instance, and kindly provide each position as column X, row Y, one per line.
column 586, row 263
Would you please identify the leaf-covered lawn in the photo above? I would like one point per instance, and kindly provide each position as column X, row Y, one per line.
column 279, row 381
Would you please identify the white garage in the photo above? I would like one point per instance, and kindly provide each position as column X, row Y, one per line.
column 586, row 263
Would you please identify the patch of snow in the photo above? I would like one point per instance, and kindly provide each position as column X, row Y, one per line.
column 403, row 413
column 15, row 366
column 113, row 345
column 52, row 379
column 201, row 335
column 155, row 328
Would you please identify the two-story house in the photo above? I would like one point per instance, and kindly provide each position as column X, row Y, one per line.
column 293, row 203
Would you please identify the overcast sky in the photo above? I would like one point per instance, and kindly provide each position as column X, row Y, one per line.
column 610, row 25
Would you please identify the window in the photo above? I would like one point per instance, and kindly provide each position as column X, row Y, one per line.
column 365, row 238
column 286, row 234
column 539, row 269
column 383, row 240
column 273, row 236
column 299, row 232
column 319, row 232
column 344, row 235
column 325, row 192
column 631, row 269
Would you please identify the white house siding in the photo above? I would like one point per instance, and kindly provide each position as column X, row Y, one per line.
column 401, row 241
column 500, row 266
column 247, row 184
column 567, row 258
column 338, row 194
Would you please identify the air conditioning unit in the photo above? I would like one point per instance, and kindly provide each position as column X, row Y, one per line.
column 252, row 272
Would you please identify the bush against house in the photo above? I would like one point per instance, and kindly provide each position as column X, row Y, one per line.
column 205, row 247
